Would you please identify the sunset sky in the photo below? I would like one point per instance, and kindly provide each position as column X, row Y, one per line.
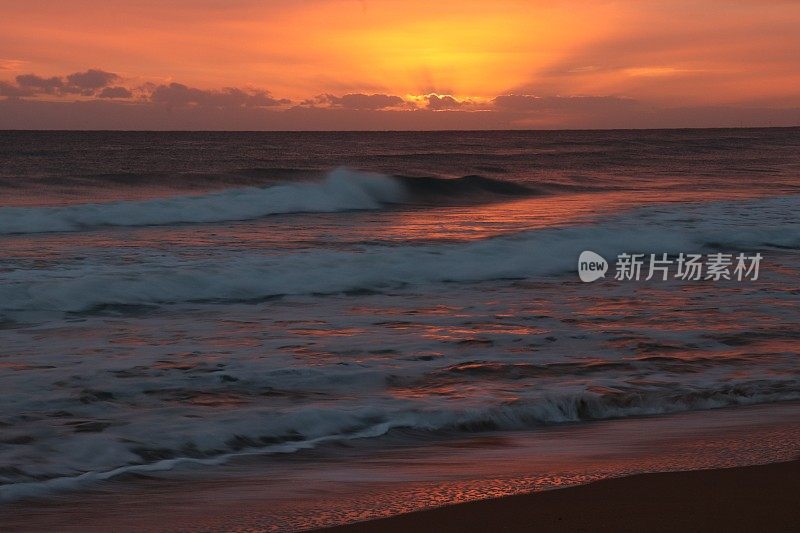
column 398, row 64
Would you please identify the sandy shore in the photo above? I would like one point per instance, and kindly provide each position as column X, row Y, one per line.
column 754, row 498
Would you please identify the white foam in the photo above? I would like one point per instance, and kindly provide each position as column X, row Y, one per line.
column 163, row 279
column 323, row 426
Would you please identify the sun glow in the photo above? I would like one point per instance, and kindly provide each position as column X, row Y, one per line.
column 392, row 55
column 473, row 54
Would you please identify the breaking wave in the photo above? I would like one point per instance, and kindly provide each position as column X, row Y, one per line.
column 166, row 279
column 311, row 427
column 341, row 190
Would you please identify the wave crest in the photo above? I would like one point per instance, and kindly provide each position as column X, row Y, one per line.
column 341, row 190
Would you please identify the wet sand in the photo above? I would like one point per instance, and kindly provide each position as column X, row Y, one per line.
column 753, row 498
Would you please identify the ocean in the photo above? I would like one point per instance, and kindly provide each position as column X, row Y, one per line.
column 186, row 301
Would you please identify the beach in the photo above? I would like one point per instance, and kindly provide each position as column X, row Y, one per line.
column 753, row 498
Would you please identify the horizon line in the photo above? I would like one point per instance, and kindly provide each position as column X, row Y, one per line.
column 676, row 128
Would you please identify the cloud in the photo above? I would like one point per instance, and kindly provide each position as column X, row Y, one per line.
column 443, row 102
column 13, row 91
column 38, row 84
column 114, row 92
column 372, row 102
column 98, row 84
column 83, row 83
column 91, row 79
column 179, row 95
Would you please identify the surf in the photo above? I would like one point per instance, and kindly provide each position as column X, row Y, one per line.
column 162, row 278
column 341, row 190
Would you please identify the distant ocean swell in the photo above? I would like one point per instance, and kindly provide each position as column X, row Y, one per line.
column 165, row 279
column 340, row 190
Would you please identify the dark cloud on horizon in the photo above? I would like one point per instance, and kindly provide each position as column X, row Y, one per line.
column 98, row 84
column 37, row 84
column 444, row 102
column 13, row 91
column 358, row 101
column 115, row 92
column 82, row 83
column 179, row 95
column 92, row 79
column 97, row 99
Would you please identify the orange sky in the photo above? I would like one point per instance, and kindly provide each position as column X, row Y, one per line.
column 656, row 54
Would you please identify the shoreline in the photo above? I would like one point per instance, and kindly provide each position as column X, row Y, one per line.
column 347, row 486
column 749, row 498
